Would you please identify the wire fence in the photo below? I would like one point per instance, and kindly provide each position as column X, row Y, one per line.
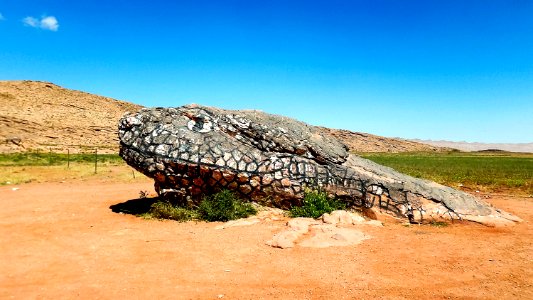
column 54, row 157
column 58, row 165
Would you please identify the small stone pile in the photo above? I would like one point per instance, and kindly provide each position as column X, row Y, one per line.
column 194, row 150
column 330, row 230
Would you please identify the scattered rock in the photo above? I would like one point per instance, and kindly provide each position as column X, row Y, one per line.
column 342, row 217
column 14, row 140
column 239, row 222
column 284, row 239
column 269, row 213
column 307, row 232
column 264, row 213
column 296, row 228
column 301, row 225
column 331, row 236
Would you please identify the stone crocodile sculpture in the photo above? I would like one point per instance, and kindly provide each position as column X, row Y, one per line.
column 195, row 150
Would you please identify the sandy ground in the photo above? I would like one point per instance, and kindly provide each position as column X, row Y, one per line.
column 61, row 240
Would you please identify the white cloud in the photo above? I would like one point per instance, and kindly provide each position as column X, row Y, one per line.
column 49, row 23
column 2, row 17
column 30, row 21
column 46, row 22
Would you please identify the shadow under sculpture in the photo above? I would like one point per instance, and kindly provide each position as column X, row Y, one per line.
column 193, row 150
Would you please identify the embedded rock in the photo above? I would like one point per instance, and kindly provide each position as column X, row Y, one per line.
column 325, row 236
column 194, row 150
column 296, row 228
column 342, row 217
column 307, row 232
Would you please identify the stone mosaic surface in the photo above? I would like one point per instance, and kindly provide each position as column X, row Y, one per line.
column 194, row 150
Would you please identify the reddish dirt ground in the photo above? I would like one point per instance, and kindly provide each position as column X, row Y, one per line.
column 61, row 240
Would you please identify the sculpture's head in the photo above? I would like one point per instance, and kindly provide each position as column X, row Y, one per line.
column 170, row 131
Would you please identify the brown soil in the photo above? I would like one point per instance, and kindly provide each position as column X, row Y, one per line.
column 61, row 240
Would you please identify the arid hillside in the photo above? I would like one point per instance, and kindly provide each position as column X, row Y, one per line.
column 41, row 115
column 364, row 142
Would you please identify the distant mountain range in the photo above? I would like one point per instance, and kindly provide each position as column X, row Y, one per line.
column 465, row 146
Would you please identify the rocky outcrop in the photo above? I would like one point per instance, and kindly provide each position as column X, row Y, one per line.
column 194, row 150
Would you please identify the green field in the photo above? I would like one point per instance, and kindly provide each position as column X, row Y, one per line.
column 496, row 171
column 477, row 171
column 19, row 168
column 55, row 159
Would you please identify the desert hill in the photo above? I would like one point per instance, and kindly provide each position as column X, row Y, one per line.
column 365, row 142
column 41, row 115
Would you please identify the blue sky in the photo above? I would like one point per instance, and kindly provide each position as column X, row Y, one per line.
column 454, row 70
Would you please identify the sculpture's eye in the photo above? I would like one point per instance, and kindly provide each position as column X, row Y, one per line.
column 200, row 125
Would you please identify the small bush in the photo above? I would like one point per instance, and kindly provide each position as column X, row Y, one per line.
column 315, row 204
column 224, row 206
column 438, row 224
column 165, row 210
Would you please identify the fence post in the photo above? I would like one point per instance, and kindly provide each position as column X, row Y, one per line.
column 50, row 156
column 95, row 160
column 68, row 158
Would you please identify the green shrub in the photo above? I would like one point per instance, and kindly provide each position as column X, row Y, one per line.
column 315, row 204
column 438, row 224
column 224, row 206
column 166, row 210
